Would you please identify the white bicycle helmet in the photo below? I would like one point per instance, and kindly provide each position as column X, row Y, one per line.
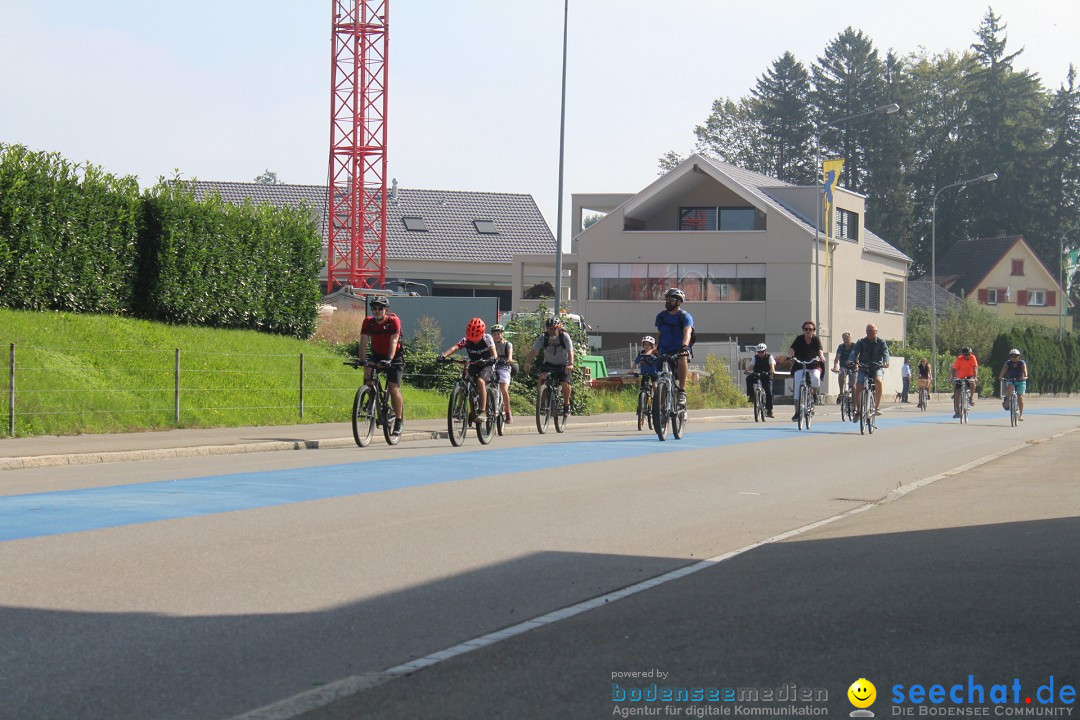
column 762, row 347
column 648, row 339
column 1014, row 351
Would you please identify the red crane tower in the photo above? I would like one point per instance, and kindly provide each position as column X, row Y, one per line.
column 356, row 231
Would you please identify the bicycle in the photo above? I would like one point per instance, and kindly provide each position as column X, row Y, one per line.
column 760, row 412
column 499, row 409
column 549, row 402
column 847, row 400
column 644, row 402
column 804, row 410
column 924, row 398
column 464, row 406
column 1011, row 401
column 868, row 410
column 664, row 406
column 965, row 400
column 372, row 405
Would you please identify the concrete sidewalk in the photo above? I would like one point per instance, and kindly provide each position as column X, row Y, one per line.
column 52, row 450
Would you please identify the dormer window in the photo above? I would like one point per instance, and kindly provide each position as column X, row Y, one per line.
column 485, row 227
column 414, row 224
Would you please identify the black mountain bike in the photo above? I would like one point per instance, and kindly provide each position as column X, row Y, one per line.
column 464, row 406
column 760, row 413
column 665, row 405
column 644, row 402
column 549, row 403
column 868, row 410
column 372, row 406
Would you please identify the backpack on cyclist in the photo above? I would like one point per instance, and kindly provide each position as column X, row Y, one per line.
column 562, row 339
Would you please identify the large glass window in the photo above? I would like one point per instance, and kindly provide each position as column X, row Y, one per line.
column 738, row 218
column 697, row 218
column 702, row 282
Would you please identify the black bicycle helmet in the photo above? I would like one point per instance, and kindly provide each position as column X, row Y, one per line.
column 380, row 300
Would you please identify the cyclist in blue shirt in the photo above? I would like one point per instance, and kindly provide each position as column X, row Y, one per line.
column 1015, row 372
column 870, row 349
column 675, row 327
column 844, row 354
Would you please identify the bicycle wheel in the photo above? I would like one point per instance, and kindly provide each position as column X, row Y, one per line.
column 864, row 409
column 759, row 407
column 660, row 400
column 678, row 422
column 499, row 412
column 457, row 415
column 557, row 411
column 642, row 408
column 485, row 424
column 363, row 416
column 543, row 408
column 964, row 402
column 923, row 401
column 389, row 417
column 1014, row 409
column 808, row 407
column 871, row 418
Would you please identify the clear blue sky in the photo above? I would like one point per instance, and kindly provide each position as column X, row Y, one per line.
column 223, row 90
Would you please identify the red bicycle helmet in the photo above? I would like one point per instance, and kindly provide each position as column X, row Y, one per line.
column 475, row 330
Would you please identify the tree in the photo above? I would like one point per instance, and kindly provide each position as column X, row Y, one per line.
column 268, row 177
column 848, row 79
column 782, row 109
column 733, row 133
column 668, row 162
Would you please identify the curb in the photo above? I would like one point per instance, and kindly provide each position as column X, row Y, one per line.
column 115, row 456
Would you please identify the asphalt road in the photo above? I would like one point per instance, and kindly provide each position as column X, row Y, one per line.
column 325, row 585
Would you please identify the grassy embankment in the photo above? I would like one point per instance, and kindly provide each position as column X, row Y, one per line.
column 97, row 374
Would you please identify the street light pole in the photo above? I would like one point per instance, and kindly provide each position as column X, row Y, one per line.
column 883, row 110
column 562, row 153
column 991, row 177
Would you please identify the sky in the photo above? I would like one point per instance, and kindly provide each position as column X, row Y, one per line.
column 224, row 90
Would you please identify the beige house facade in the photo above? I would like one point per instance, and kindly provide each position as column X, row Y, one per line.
column 742, row 247
column 1004, row 275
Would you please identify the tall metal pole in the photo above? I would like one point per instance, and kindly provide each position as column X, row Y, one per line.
column 933, row 264
column 883, row 110
column 562, row 152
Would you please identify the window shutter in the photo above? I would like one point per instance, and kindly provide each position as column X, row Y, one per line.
column 1051, row 298
column 1021, row 297
column 982, row 296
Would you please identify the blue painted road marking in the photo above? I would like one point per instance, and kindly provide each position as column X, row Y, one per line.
column 68, row 511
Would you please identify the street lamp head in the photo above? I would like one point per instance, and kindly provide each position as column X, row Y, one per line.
column 988, row 178
column 890, row 109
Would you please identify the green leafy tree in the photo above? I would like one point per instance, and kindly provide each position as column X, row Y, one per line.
column 268, row 177
column 733, row 133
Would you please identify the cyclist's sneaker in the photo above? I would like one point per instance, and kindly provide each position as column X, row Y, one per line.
column 837, row 399
column 956, row 415
column 682, row 399
column 877, row 413
column 397, row 427
column 507, row 417
column 770, row 414
column 566, row 411
column 795, row 417
column 1021, row 418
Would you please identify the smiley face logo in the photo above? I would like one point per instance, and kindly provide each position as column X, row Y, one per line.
column 862, row 693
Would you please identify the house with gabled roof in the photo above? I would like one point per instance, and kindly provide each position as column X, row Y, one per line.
column 741, row 245
column 451, row 242
column 1004, row 275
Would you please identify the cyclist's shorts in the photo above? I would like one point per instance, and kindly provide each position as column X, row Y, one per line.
column 558, row 371
column 484, row 372
column 1020, row 385
column 880, row 372
column 397, row 366
column 958, row 382
column 503, row 373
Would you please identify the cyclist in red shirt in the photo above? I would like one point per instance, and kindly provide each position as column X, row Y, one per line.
column 382, row 330
column 963, row 371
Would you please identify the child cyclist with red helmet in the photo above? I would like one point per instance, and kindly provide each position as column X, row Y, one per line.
column 480, row 347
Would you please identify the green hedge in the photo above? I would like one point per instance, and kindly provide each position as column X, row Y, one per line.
column 69, row 234
column 73, row 237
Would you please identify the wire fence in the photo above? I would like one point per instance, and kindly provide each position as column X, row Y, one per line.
column 52, row 390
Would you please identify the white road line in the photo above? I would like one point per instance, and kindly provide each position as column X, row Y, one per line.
column 297, row 705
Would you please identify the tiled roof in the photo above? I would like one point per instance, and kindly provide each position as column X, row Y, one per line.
column 969, row 261
column 448, row 215
column 760, row 185
column 919, row 296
